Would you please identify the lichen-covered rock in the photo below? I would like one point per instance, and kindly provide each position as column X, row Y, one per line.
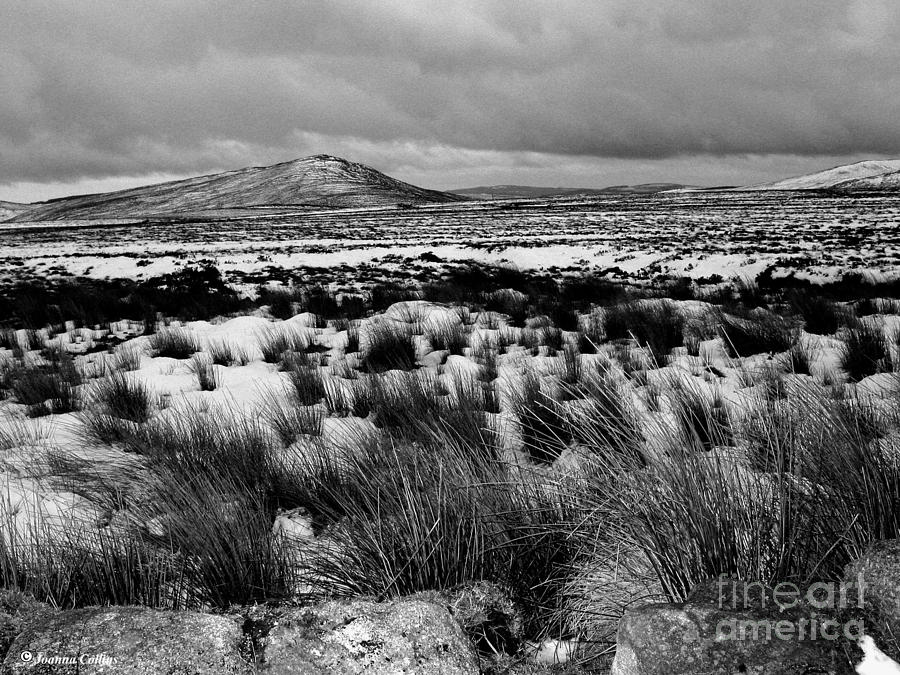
column 389, row 638
column 704, row 639
column 128, row 640
column 16, row 612
column 877, row 575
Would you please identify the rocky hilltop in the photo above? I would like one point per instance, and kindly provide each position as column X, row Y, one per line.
column 321, row 181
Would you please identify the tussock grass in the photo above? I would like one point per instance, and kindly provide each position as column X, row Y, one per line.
column 821, row 315
column 448, row 336
column 485, row 356
column 127, row 398
column 275, row 341
column 865, row 351
column 90, row 567
column 338, row 400
column 705, row 421
column 402, row 522
column 127, row 357
column 401, row 402
column 47, row 389
column 352, row 339
column 657, row 326
column 389, row 346
column 540, row 419
column 759, row 333
column 607, row 418
column 206, row 371
column 175, row 343
column 281, row 302
column 799, row 359
column 290, row 420
column 307, row 384
column 225, row 353
column 18, row 433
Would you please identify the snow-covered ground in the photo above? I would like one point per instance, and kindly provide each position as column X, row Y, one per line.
column 692, row 234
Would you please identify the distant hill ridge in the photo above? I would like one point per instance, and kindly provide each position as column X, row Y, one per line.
column 10, row 209
column 318, row 181
column 534, row 192
column 859, row 176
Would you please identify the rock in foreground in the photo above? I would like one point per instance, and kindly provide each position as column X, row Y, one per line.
column 126, row 640
column 709, row 638
column 344, row 638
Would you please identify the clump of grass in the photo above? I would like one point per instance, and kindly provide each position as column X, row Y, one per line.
column 403, row 523
column 552, row 338
column 338, row 401
column 569, row 369
column 821, row 315
column 401, row 403
column 865, row 351
column 120, row 404
column 280, row 301
column 207, row 375
column 17, row 433
column 757, row 333
column 126, row 398
column 448, row 336
column 83, row 567
column 225, row 353
column 817, row 490
column 306, row 381
column 289, row 420
column 389, row 346
column 607, row 419
column 540, row 419
column 127, row 357
column 352, row 345
column 799, row 359
column 704, row 420
column 274, row 342
column 215, row 441
column 50, row 389
column 485, row 355
column 656, row 326
column 175, row 343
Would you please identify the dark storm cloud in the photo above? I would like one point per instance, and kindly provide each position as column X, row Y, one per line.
column 92, row 89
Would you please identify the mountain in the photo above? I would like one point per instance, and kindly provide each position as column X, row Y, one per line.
column 11, row 209
column 320, row 181
column 532, row 192
column 840, row 177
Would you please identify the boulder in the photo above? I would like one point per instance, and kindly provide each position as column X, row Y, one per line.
column 877, row 574
column 17, row 610
column 128, row 640
column 736, row 628
column 350, row 637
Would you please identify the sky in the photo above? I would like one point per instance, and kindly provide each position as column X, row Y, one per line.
column 446, row 94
